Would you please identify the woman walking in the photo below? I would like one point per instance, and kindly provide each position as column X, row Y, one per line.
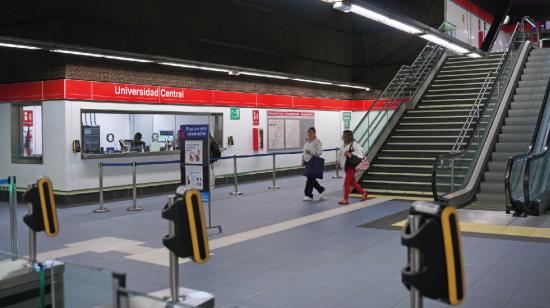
column 313, row 147
column 349, row 149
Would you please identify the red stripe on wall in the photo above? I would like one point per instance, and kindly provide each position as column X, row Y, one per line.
column 132, row 93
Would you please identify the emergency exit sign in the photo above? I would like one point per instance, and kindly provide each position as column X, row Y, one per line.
column 235, row 113
column 346, row 118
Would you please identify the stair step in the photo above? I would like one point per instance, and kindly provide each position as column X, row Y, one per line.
column 531, row 90
column 533, row 77
column 491, row 198
column 514, row 137
column 520, row 121
column 511, row 146
column 523, row 113
column 494, row 176
column 497, row 166
column 526, row 105
column 528, row 97
column 511, row 129
column 534, row 83
column 540, row 51
column 486, row 187
column 396, row 192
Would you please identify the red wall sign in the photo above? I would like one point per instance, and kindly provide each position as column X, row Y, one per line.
column 255, row 117
column 131, row 93
column 27, row 118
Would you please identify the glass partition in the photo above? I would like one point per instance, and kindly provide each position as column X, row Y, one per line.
column 124, row 133
column 27, row 133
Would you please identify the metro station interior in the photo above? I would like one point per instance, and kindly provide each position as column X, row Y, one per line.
column 275, row 153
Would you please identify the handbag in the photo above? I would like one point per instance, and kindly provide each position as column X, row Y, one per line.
column 364, row 165
column 353, row 161
column 315, row 167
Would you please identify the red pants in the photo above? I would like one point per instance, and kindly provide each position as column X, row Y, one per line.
column 350, row 181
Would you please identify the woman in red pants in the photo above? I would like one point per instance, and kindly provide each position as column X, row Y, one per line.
column 348, row 149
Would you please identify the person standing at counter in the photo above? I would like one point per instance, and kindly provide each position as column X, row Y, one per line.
column 215, row 153
column 312, row 148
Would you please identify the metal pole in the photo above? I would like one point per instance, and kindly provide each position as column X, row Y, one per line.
column 134, row 207
column 210, row 226
column 32, row 235
column 174, row 266
column 12, row 195
column 274, row 185
column 452, row 175
column 414, row 261
column 101, row 209
column 337, row 165
column 235, row 180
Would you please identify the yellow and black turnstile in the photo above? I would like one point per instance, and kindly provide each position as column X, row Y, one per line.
column 435, row 263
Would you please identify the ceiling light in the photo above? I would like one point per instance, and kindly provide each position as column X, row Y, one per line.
column 128, row 59
column 442, row 42
column 213, row 69
column 312, row 81
column 78, row 53
column 359, row 10
column 18, row 46
column 179, row 65
column 264, row 75
column 353, row 87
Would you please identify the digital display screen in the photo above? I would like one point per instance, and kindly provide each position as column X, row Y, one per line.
column 166, row 135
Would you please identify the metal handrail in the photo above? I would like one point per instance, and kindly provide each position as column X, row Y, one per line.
column 513, row 202
column 461, row 152
column 400, row 88
column 474, row 112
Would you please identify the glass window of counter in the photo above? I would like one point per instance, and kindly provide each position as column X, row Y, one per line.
column 135, row 133
column 26, row 133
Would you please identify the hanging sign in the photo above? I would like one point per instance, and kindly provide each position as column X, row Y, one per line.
column 235, row 113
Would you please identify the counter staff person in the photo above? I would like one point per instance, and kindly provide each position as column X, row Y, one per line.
column 312, row 147
column 137, row 145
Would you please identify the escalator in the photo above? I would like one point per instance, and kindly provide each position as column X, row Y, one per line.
column 474, row 174
column 527, row 181
column 519, row 128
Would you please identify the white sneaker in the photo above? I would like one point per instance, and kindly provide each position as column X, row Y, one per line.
column 321, row 195
column 306, row 198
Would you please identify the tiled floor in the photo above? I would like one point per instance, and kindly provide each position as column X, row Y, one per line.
column 325, row 263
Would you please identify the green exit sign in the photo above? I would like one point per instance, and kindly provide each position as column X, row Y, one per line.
column 235, row 113
column 346, row 118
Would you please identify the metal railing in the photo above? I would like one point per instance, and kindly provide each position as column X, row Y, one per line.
column 517, row 181
column 401, row 89
column 10, row 182
column 134, row 165
column 447, row 176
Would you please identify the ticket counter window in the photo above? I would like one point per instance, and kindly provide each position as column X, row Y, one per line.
column 27, row 134
column 128, row 134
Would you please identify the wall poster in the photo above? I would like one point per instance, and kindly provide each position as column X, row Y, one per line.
column 287, row 130
column 193, row 152
column 194, row 177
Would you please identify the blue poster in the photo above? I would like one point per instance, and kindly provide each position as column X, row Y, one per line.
column 194, row 131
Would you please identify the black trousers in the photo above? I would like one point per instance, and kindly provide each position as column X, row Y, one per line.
column 310, row 184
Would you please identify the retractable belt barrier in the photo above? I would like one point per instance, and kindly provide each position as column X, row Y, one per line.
column 12, row 201
column 134, row 165
column 435, row 266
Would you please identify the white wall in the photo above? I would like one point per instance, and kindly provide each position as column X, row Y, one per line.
column 467, row 24
column 69, row 172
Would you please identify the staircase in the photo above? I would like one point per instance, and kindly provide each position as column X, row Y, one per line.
column 404, row 164
column 517, row 130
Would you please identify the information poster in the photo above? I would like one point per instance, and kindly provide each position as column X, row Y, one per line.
column 276, row 135
column 193, row 152
column 287, row 130
column 194, row 177
column 195, row 157
column 292, row 139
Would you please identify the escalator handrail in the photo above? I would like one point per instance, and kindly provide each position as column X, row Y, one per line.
column 512, row 40
column 526, row 184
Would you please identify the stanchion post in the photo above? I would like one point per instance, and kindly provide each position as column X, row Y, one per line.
column 12, row 195
column 32, row 235
column 274, row 184
column 235, row 180
column 337, row 164
column 134, row 207
column 174, row 268
column 414, row 261
column 101, row 209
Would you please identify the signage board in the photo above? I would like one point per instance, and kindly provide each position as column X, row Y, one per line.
column 235, row 113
